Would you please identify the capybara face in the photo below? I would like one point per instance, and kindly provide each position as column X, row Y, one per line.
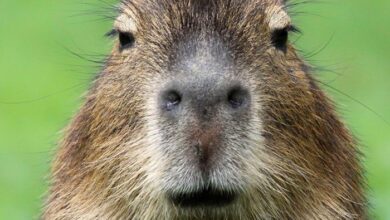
column 204, row 111
column 203, row 70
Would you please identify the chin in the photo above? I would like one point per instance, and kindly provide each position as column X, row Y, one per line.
column 217, row 192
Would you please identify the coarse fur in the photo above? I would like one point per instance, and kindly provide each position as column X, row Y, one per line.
column 289, row 157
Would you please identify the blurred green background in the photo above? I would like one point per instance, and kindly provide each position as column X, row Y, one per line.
column 41, row 83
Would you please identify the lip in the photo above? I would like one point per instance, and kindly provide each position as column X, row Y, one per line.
column 205, row 197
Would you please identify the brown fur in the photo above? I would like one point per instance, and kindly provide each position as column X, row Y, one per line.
column 105, row 170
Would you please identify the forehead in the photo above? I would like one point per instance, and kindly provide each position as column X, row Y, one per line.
column 201, row 14
column 197, row 5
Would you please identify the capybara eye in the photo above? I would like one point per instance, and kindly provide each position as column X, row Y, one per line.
column 126, row 40
column 171, row 99
column 279, row 38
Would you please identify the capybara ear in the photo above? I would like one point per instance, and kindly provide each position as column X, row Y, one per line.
column 126, row 23
column 277, row 17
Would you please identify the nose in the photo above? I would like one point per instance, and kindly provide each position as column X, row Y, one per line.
column 204, row 98
column 202, row 109
column 205, row 142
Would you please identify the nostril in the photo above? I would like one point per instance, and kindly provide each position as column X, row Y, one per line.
column 237, row 97
column 171, row 99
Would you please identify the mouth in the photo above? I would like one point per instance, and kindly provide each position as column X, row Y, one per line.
column 204, row 197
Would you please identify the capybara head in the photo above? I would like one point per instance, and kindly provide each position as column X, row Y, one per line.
column 204, row 110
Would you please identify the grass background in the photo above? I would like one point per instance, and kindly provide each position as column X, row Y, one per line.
column 41, row 83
